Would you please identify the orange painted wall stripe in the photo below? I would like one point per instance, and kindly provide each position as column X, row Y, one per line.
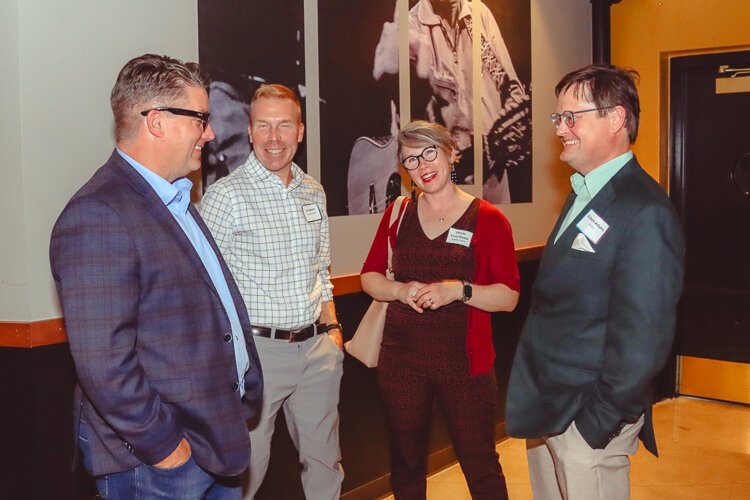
column 34, row 334
column 52, row 331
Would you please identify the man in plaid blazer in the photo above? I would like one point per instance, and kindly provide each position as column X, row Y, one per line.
column 156, row 325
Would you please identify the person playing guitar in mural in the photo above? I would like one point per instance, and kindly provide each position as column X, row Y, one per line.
column 440, row 51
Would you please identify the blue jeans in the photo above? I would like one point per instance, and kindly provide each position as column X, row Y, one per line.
column 186, row 482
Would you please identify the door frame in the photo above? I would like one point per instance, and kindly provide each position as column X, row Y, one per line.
column 684, row 375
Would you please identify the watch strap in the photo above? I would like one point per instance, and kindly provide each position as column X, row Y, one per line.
column 333, row 326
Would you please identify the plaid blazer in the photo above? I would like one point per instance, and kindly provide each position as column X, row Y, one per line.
column 147, row 330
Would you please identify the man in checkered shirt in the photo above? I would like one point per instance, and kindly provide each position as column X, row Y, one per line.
column 270, row 222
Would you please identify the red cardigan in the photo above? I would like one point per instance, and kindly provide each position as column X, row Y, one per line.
column 496, row 263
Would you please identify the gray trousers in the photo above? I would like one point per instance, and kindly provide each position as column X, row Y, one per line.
column 565, row 467
column 304, row 378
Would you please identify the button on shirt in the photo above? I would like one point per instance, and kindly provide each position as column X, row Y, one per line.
column 275, row 240
column 176, row 197
column 586, row 187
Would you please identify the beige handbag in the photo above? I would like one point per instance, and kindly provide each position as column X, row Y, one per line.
column 365, row 344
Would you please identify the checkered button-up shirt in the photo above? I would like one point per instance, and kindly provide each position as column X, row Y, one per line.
column 275, row 240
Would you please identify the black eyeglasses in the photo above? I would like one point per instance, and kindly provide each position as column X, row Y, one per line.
column 203, row 117
column 412, row 162
column 569, row 117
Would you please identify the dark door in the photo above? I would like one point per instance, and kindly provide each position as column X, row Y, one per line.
column 710, row 157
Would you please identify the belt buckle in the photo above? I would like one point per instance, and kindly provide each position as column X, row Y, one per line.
column 302, row 333
column 293, row 334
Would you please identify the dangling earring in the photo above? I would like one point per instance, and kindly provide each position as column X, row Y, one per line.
column 454, row 175
column 413, row 192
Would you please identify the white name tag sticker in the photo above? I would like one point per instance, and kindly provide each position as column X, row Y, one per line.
column 312, row 212
column 459, row 237
column 592, row 226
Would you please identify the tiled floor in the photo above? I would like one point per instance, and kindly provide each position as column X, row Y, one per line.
column 704, row 453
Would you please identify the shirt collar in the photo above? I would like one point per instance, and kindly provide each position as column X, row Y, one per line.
column 426, row 14
column 595, row 180
column 258, row 172
column 579, row 185
column 176, row 193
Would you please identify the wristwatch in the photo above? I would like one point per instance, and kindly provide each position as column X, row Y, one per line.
column 467, row 291
column 333, row 326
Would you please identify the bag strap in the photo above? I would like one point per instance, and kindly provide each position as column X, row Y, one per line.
column 394, row 214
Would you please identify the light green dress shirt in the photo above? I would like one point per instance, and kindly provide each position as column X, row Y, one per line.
column 586, row 187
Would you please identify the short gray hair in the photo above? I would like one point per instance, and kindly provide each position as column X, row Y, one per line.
column 147, row 81
column 421, row 133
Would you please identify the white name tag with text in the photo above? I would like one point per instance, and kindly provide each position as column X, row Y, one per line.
column 459, row 237
column 312, row 212
column 592, row 226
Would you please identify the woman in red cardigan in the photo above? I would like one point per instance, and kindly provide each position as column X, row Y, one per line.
column 454, row 262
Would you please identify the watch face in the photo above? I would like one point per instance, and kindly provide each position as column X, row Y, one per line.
column 467, row 291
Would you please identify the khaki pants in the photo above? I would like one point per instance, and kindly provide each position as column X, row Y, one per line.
column 565, row 467
column 303, row 378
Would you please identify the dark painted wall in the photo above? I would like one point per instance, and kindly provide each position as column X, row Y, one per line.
column 36, row 445
column 36, row 441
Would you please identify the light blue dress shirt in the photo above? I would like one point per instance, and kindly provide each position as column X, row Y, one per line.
column 586, row 187
column 176, row 197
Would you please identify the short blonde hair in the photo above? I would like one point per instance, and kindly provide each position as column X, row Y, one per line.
column 276, row 91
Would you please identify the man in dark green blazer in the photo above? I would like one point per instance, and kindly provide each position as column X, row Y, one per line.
column 603, row 308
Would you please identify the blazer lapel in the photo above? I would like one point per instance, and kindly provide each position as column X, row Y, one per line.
column 155, row 206
column 239, row 302
column 554, row 251
column 566, row 206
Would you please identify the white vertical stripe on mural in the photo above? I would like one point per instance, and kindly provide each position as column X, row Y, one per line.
column 477, row 89
column 312, row 84
column 404, row 73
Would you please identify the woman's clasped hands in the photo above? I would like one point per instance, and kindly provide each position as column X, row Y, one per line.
column 420, row 296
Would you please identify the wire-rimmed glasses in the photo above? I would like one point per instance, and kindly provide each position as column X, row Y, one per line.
column 569, row 117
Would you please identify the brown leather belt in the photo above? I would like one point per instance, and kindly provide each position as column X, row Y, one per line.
column 290, row 335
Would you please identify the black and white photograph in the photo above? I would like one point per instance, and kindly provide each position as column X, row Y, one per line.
column 506, row 67
column 358, row 52
column 442, row 69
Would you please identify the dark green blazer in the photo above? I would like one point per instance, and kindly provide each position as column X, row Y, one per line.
column 601, row 325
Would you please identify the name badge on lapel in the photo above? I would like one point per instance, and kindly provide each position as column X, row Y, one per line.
column 312, row 212
column 592, row 226
column 459, row 237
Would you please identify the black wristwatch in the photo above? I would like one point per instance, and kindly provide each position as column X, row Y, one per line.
column 333, row 326
column 467, row 291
